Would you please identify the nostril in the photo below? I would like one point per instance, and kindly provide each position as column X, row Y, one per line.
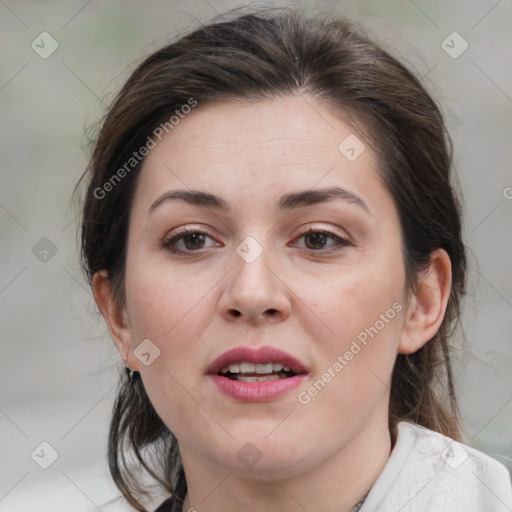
column 269, row 312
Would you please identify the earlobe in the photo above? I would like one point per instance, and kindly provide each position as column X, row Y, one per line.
column 114, row 315
column 427, row 307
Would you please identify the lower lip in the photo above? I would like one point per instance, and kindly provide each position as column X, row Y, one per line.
column 262, row 391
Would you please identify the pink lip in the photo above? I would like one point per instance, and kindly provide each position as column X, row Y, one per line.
column 261, row 355
column 256, row 391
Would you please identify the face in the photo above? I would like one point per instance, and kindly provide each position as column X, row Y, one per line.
column 318, row 277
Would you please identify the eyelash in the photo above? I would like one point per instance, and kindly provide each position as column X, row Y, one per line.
column 170, row 243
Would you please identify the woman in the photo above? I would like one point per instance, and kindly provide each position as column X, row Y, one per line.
column 272, row 234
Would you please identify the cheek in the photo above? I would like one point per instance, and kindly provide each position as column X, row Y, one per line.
column 171, row 309
column 348, row 302
column 358, row 321
column 165, row 304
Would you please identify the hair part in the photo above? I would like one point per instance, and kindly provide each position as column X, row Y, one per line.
column 257, row 57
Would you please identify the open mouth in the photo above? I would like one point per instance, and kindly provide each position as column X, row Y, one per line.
column 247, row 374
column 256, row 372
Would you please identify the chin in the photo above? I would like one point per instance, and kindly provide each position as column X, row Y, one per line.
column 256, row 455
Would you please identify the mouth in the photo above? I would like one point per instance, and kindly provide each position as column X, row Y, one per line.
column 256, row 372
column 256, row 375
column 253, row 365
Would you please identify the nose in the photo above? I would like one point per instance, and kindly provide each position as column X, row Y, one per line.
column 255, row 292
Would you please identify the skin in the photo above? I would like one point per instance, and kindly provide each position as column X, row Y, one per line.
column 322, row 456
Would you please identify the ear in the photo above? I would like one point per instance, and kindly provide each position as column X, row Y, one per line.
column 115, row 316
column 426, row 308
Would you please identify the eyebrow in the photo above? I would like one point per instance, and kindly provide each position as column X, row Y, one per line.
column 287, row 202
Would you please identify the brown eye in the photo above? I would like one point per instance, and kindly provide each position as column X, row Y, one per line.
column 186, row 242
column 193, row 241
column 317, row 239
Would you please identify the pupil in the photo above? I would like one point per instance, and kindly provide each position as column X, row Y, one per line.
column 318, row 238
column 196, row 237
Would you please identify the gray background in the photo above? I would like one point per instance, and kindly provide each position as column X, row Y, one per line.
column 58, row 367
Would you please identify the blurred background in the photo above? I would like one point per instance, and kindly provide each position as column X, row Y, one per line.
column 60, row 65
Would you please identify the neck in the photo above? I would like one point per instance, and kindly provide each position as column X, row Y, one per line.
column 334, row 485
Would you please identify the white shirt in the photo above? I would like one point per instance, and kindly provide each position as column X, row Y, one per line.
column 427, row 471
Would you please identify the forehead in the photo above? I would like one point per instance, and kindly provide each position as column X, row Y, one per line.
column 289, row 142
column 287, row 127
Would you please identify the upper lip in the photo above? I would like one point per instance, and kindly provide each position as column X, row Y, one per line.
column 264, row 354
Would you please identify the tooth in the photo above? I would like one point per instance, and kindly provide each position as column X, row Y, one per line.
column 264, row 368
column 234, row 368
column 259, row 368
column 247, row 367
column 247, row 378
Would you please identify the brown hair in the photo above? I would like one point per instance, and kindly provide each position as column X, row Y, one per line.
column 257, row 56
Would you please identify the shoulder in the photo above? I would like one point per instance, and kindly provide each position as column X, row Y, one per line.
column 429, row 471
column 450, row 455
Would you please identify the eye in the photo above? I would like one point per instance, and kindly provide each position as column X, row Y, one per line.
column 316, row 240
column 191, row 241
